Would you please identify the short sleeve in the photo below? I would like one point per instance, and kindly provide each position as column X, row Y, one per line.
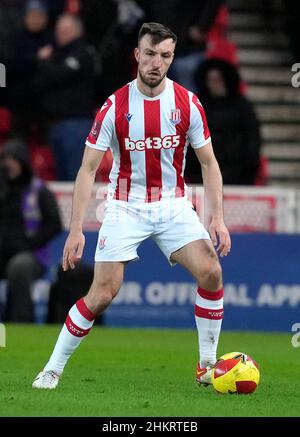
column 198, row 133
column 101, row 134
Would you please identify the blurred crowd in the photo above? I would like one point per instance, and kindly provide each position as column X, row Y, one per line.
column 64, row 57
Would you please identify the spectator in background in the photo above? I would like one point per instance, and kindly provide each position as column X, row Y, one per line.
column 293, row 26
column 111, row 26
column 22, row 64
column 65, row 79
column 29, row 219
column 233, row 125
column 11, row 22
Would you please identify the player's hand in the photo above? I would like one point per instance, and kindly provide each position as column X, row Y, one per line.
column 220, row 234
column 45, row 52
column 73, row 249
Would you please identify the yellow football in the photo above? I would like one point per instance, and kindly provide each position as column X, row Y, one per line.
column 235, row 372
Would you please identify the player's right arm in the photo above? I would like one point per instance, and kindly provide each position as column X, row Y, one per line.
column 82, row 192
column 98, row 141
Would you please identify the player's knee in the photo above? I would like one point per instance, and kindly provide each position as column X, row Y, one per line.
column 102, row 293
column 212, row 276
column 98, row 300
column 107, row 286
column 104, row 300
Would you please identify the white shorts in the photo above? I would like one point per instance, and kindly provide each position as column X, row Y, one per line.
column 170, row 223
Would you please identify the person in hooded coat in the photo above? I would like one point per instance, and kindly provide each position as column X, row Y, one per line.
column 233, row 125
column 29, row 219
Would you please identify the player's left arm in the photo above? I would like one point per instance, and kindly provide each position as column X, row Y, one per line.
column 213, row 189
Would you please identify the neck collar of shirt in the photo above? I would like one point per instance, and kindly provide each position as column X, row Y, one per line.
column 151, row 98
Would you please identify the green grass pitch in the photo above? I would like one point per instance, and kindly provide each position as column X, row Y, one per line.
column 140, row 372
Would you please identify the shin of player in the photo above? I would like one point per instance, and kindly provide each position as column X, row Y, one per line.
column 200, row 258
column 107, row 281
column 209, row 310
column 208, row 315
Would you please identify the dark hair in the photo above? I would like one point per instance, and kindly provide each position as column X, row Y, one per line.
column 158, row 32
column 228, row 71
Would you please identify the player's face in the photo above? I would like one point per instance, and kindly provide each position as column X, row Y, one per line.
column 154, row 60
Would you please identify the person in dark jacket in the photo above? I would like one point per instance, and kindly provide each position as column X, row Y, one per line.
column 10, row 23
column 232, row 122
column 29, row 219
column 21, row 65
column 65, row 80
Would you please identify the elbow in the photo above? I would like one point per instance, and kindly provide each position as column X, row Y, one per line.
column 211, row 164
column 88, row 170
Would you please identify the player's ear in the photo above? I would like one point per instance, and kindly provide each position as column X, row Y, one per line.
column 137, row 54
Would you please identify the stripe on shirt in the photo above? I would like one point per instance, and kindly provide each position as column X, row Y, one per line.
column 152, row 156
column 182, row 103
column 198, row 105
column 169, row 175
column 136, row 133
column 122, row 132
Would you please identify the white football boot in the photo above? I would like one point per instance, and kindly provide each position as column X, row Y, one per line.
column 203, row 375
column 47, row 379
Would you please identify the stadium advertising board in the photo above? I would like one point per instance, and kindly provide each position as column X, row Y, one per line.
column 262, row 287
column 261, row 276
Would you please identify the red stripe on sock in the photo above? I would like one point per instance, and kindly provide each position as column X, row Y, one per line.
column 84, row 311
column 211, row 295
column 74, row 329
column 206, row 313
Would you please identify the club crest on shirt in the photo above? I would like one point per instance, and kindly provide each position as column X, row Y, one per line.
column 175, row 116
column 101, row 243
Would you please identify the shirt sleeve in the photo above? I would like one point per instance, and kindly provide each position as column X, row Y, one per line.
column 198, row 133
column 101, row 134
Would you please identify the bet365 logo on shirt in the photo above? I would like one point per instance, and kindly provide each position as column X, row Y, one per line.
column 167, row 142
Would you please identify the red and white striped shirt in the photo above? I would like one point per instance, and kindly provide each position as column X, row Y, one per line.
column 149, row 138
